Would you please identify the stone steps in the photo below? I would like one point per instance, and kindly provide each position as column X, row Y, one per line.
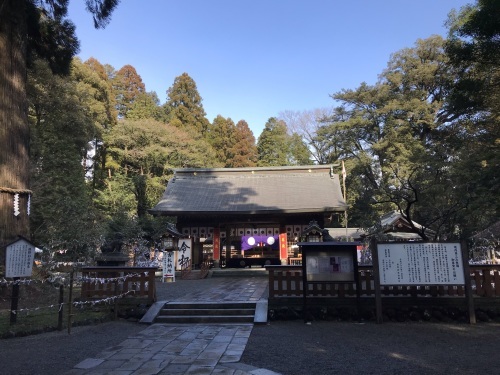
column 206, row 312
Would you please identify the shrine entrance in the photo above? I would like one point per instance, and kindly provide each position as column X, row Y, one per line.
column 244, row 217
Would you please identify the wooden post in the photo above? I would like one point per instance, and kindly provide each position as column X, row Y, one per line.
column 61, row 304
column 227, row 254
column 151, row 286
column 376, row 279
column 14, row 301
column 115, row 305
column 467, row 280
column 305, row 286
column 70, row 301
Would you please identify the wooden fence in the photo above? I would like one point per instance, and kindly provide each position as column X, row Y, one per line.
column 103, row 282
column 286, row 281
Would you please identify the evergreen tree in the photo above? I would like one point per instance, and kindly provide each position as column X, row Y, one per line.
column 62, row 215
column 276, row 147
column 140, row 158
column 146, row 105
column 221, row 136
column 393, row 133
column 473, row 47
column 244, row 150
column 273, row 144
column 307, row 124
column 299, row 152
column 184, row 105
column 28, row 29
column 127, row 86
column 95, row 93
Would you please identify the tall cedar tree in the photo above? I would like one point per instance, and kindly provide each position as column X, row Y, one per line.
column 276, row 147
column 273, row 144
column 221, row 136
column 128, row 86
column 184, row 105
column 244, row 150
column 24, row 34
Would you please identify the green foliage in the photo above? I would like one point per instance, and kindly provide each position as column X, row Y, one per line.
column 272, row 144
column 145, row 106
column 127, row 86
column 101, row 11
column 299, row 153
column 307, row 125
column 222, row 136
column 62, row 215
column 276, row 147
column 184, row 106
column 140, row 157
column 50, row 35
column 393, row 133
column 474, row 49
column 244, row 150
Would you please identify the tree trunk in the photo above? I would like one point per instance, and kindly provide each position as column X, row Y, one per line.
column 14, row 127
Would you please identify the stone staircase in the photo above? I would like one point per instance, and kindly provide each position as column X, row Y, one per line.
column 181, row 312
column 206, row 312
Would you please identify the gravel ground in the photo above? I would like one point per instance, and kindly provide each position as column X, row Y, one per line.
column 293, row 348
column 287, row 347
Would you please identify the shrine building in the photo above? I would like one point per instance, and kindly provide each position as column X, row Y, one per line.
column 239, row 217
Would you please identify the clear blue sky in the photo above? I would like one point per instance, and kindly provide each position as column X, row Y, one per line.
column 252, row 59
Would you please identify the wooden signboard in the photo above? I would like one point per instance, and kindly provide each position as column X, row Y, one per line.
column 421, row 263
column 328, row 262
column 20, row 256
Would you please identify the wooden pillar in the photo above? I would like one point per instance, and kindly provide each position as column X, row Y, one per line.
column 228, row 243
column 217, row 246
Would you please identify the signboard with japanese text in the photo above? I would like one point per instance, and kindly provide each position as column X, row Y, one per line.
column 420, row 263
column 20, row 256
column 168, row 265
column 183, row 253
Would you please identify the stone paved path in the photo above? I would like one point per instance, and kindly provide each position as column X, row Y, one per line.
column 189, row 348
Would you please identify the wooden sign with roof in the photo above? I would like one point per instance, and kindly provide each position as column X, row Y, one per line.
column 221, row 207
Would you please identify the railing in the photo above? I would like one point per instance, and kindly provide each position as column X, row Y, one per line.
column 103, row 282
column 295, row 261
column 186, row 269
column 286, row 281
column 205, row 268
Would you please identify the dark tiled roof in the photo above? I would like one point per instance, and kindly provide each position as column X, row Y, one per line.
column 252, row 191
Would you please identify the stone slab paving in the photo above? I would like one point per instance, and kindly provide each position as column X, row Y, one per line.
column 230, row 290
column 189, row 349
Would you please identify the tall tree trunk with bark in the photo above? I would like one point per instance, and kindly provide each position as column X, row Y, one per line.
column 14, row 127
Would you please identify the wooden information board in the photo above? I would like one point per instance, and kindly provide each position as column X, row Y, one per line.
column 419, row 263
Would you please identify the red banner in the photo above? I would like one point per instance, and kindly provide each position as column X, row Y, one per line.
column 216, row 244
column 283, row 246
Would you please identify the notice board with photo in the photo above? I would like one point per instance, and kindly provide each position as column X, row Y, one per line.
column 329, row 262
